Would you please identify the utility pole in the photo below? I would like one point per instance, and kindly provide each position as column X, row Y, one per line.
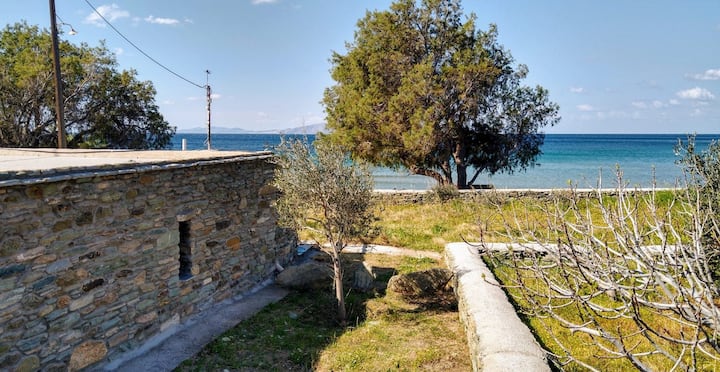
column 59, row 110
column 208, row 90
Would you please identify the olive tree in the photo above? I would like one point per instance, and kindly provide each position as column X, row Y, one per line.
column 321, row 190
column 421, row 88
column 625, row 272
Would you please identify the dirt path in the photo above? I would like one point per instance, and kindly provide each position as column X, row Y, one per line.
column 395, row 251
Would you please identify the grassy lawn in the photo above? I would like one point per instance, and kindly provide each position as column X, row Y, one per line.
column 299, row 333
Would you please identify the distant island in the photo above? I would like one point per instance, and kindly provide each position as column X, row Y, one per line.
column 305, row 129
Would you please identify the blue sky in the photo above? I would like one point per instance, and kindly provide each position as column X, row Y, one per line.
column 613, row 66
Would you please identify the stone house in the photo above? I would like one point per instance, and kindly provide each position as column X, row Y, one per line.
column 102, row 250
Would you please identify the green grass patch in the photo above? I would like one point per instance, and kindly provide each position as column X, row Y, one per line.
column 299, row 333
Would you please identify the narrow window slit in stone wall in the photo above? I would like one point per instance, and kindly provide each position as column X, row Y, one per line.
column 185, row 271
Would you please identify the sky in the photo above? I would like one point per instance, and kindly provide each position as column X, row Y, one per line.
column 616, row 66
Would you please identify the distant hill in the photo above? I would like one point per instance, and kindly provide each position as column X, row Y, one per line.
column 306, row 129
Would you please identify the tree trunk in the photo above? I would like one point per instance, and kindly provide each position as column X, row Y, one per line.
column 460, row 166
column 338, row 281
column 462, row 176
column 430, row 173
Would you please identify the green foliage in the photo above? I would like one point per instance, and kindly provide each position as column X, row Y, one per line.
column 104, row 107
column 702, row 170
column 322, row 190
column 422, row 89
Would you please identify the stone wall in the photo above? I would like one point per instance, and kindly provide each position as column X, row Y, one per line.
column 90, row 261
column 429, row 196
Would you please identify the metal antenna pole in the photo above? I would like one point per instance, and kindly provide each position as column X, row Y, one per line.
column 209, row 101
column 59, row 109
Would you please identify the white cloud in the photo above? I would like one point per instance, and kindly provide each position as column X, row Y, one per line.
column 215, row 96
column 674, row 102
column 696, row 93
column 649, row 84
column 658, row 104
column 258, row 2
column 614, row 114
column 119, row 51
column 110, row 12
column 161, row 21
column 711, row 74
column 262, row 114
column 577, row 89
column 168, row 102
column 585, row 107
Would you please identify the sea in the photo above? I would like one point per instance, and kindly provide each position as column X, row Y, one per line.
column 580, row 160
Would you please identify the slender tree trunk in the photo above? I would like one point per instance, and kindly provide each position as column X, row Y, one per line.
column 462, row 176
column 460, row 166
column 338, row 281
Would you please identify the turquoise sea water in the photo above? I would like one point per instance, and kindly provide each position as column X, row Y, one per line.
column 576, row 158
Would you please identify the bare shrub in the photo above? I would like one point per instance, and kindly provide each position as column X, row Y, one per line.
column 626, row 275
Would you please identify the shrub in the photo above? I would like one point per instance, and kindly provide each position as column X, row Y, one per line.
column 625, row 276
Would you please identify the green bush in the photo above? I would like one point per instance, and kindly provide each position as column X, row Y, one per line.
column 702, row 176
column 445, row 192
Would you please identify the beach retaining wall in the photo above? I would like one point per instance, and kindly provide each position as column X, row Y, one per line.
column 93, row 263
column 427, row 196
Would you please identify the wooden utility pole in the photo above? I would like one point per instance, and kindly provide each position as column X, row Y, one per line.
column 208, row 90
column 59, row 110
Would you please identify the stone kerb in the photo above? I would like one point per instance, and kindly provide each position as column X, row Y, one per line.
column 497, row 338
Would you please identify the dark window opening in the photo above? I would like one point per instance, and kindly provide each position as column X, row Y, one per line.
column 185, row 271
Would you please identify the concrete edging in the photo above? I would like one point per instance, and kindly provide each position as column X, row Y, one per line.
column 497, row 338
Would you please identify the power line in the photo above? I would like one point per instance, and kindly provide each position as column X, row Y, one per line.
column 140, row 50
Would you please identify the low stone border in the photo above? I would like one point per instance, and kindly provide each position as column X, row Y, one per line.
column 497, row 338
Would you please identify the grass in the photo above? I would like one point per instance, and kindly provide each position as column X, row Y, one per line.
column 430, row 226
column 299, row 333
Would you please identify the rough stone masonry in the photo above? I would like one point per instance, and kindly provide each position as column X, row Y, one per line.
column 95, row 261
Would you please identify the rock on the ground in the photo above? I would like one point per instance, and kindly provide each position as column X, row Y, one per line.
column 364, row 279
column 430, row 287
column 309, row 274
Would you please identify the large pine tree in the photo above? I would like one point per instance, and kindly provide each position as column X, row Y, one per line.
column 421, row 88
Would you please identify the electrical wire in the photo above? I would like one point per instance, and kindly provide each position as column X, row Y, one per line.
column 140, row 50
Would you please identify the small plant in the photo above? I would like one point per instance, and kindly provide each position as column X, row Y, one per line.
column 445, row 192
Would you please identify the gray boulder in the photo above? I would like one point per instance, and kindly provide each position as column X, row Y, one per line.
column 306, row 275
column 364, row 278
